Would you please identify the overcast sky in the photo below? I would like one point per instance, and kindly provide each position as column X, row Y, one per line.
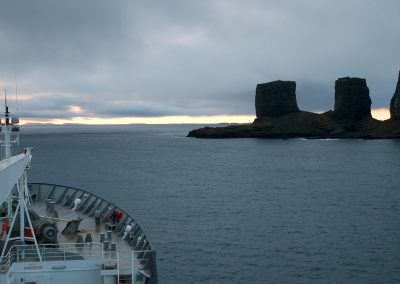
column 155, row 58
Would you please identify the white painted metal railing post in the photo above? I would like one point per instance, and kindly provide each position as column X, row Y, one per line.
column 21, row 212
column 117, row 257
column 133, row 267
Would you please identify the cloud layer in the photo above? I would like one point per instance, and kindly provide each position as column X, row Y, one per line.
column 156, row 58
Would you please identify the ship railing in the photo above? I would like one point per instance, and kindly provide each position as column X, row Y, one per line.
column 5, row 264
column 142, row 262
column 58, row 252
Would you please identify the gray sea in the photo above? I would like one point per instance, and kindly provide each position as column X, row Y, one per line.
column 239, row 210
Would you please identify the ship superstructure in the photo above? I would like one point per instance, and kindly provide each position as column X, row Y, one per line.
column 59, row 234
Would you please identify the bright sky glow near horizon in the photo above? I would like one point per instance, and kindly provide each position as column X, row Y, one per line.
column 381, row 114
column 187, row 61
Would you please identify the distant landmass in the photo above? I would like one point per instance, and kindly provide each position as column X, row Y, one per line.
column 278, row 115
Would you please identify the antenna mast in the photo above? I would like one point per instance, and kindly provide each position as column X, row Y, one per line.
column 9, row 130
column 16, row 91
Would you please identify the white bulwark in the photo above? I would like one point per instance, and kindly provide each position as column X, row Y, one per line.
column 11, row 170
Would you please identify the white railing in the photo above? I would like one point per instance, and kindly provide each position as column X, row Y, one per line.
column 58, row 252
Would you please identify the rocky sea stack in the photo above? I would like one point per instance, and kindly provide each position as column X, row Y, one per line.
column 278, row 115
column 352, row 101
column 395, row 103
column 276, row 98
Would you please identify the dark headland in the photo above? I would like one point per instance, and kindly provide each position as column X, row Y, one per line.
column 278, row 115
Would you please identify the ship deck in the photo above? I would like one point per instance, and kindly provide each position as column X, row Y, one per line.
column 60, row 211
column 86, row 226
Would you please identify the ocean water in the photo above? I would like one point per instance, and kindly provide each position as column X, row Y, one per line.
column 239, row 210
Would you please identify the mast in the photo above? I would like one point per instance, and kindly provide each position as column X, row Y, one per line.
column 9, row 131
column 13, row 175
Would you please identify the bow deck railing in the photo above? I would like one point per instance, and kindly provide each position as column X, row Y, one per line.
column 59, row 252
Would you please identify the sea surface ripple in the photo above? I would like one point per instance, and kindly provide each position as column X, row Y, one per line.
column 239, row 210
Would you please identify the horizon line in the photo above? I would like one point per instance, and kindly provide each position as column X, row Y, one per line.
column 377, row 113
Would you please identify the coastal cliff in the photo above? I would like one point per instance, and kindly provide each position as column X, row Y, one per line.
column 278, row 115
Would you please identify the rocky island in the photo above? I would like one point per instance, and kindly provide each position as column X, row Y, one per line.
column 278, row 115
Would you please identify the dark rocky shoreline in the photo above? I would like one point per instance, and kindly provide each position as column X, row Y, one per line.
column 279, row 117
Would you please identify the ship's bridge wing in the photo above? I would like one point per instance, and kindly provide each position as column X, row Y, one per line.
column 11, row 169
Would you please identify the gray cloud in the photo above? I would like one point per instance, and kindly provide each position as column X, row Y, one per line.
column 149, row 58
